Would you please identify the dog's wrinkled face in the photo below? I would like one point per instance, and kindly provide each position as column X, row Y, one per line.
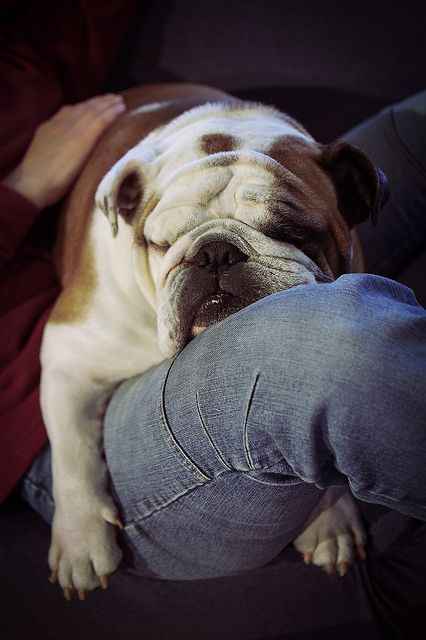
column 230, row 204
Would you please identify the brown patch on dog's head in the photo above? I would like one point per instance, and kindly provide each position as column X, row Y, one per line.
column 305, row 211
column 217, row 142
column 328, row 189
column 291, row 150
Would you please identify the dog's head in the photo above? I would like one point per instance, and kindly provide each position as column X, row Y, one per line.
column 229, row 204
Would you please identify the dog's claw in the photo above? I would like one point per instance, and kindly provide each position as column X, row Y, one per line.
column 53, row 577
column 118, row 523
column 361, row 551
column 67, row 593
column 307, row 557
column 104, row 581
column 329, row 568
column 81, row 594
column 342, row 568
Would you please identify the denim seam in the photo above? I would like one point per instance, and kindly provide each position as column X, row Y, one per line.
column 174, row 445
column 396, row 291
column 273, row 484
column 139, row 518
column 131, row 526
column 393, row 503
column 268, row 467
column 204, row 426
column 299, row 474
column 245, row 425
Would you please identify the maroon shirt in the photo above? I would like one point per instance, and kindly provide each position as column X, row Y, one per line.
column 28, row 288
column 51, row 53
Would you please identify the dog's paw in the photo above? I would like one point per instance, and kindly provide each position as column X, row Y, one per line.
column 334, row 534
column 84, row 550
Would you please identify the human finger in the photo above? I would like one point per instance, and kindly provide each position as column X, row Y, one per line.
column 93, row 105
column 98, row 116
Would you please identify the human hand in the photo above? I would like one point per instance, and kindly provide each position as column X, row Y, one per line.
column 60, row 147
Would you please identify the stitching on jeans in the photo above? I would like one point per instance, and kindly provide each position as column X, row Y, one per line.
column 274, row 484
column 131, row 526
column 203, row 424
column 388, row 500
column 171, row 440
column 269, row 467
column 245, row 426
column 164, row 505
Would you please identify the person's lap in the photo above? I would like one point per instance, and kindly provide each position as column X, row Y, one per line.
column 200, row 464
column 230, row 444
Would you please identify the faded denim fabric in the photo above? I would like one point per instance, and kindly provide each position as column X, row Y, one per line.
column 218, row 456
column 226, row 447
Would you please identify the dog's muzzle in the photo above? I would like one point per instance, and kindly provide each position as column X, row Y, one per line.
column 215, row 271
column 215, row 259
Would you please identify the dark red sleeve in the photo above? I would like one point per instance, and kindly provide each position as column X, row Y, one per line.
column 28, row 289
column 17, row 214
column 51, row 53
column 22, row 431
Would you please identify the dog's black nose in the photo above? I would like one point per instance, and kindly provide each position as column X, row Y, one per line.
column 217, row 255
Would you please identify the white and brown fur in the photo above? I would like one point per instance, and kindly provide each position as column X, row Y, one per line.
column 187, row 166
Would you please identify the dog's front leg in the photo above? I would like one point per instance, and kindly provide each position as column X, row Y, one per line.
column 83, row 549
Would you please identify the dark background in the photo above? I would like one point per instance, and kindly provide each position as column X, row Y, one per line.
column 329, row 63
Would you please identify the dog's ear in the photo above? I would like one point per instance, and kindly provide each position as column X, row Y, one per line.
column 362, row 189
column 121, row 194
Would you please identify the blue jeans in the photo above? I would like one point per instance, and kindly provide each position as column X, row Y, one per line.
column 218, row 456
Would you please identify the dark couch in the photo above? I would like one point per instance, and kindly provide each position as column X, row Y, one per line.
column 331, row 65
column 382, row 598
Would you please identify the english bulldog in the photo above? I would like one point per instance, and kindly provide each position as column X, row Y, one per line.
column 193, row 205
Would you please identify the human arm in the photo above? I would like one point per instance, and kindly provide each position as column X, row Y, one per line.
column 59, row 148
column 28, row 283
